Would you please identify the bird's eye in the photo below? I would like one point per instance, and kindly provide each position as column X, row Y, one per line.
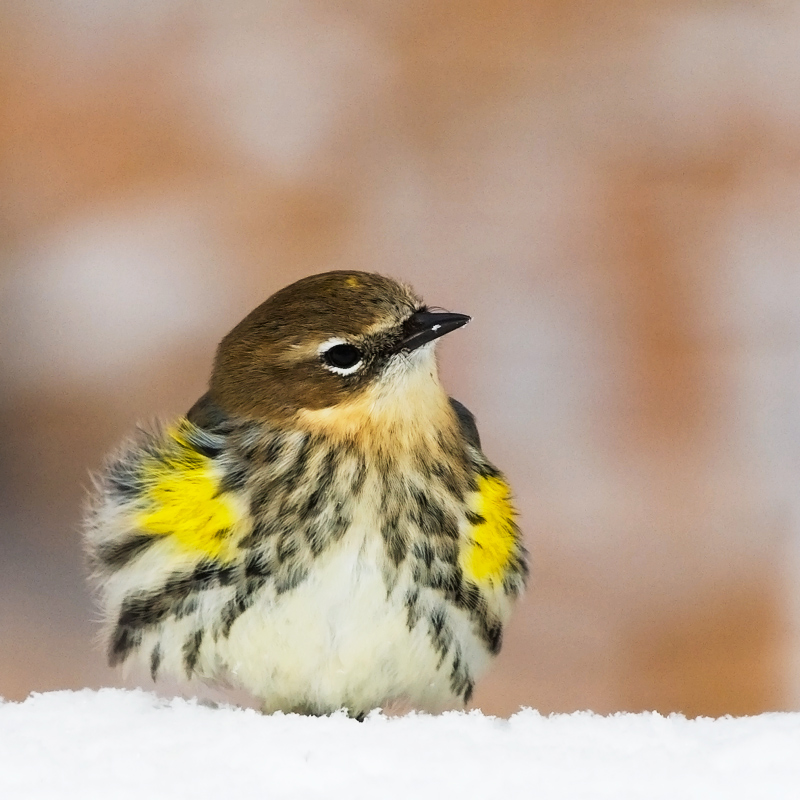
column 343, row 358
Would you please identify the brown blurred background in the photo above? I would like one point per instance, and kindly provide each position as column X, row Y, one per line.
column 611, row 189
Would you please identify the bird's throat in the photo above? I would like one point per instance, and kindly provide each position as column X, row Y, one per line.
column 405, row 411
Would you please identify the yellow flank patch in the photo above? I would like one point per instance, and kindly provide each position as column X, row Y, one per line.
column 183, row 501
column 494, row 538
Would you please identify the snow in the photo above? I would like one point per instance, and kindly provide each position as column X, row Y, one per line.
column 126, row 744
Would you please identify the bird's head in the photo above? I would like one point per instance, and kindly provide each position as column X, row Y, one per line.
column 333, row 350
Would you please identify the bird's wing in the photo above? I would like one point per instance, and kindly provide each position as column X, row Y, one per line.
column 466, row 421
column 494, row 554
column 206, row 414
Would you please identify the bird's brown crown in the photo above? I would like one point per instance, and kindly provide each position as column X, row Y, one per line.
column 281, row 359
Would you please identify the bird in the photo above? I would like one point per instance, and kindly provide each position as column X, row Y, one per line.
column 322, row 528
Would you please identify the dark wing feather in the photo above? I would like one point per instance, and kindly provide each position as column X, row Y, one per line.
column 466, row 420
column 206, row 414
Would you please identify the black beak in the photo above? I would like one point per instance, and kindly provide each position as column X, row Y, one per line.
column 425, row 326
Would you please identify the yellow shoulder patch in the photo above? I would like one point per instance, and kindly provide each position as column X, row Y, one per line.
column 494, row 538
column 182, row 500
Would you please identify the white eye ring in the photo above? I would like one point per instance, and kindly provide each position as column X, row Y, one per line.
column 336, row 342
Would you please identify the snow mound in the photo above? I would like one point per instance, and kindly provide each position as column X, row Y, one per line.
column 124, row 744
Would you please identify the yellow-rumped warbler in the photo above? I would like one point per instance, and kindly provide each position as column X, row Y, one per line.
column 322, row 529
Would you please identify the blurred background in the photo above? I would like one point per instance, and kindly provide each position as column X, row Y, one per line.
column 611, row 188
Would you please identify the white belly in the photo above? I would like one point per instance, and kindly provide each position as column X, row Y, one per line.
column 341, row 639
